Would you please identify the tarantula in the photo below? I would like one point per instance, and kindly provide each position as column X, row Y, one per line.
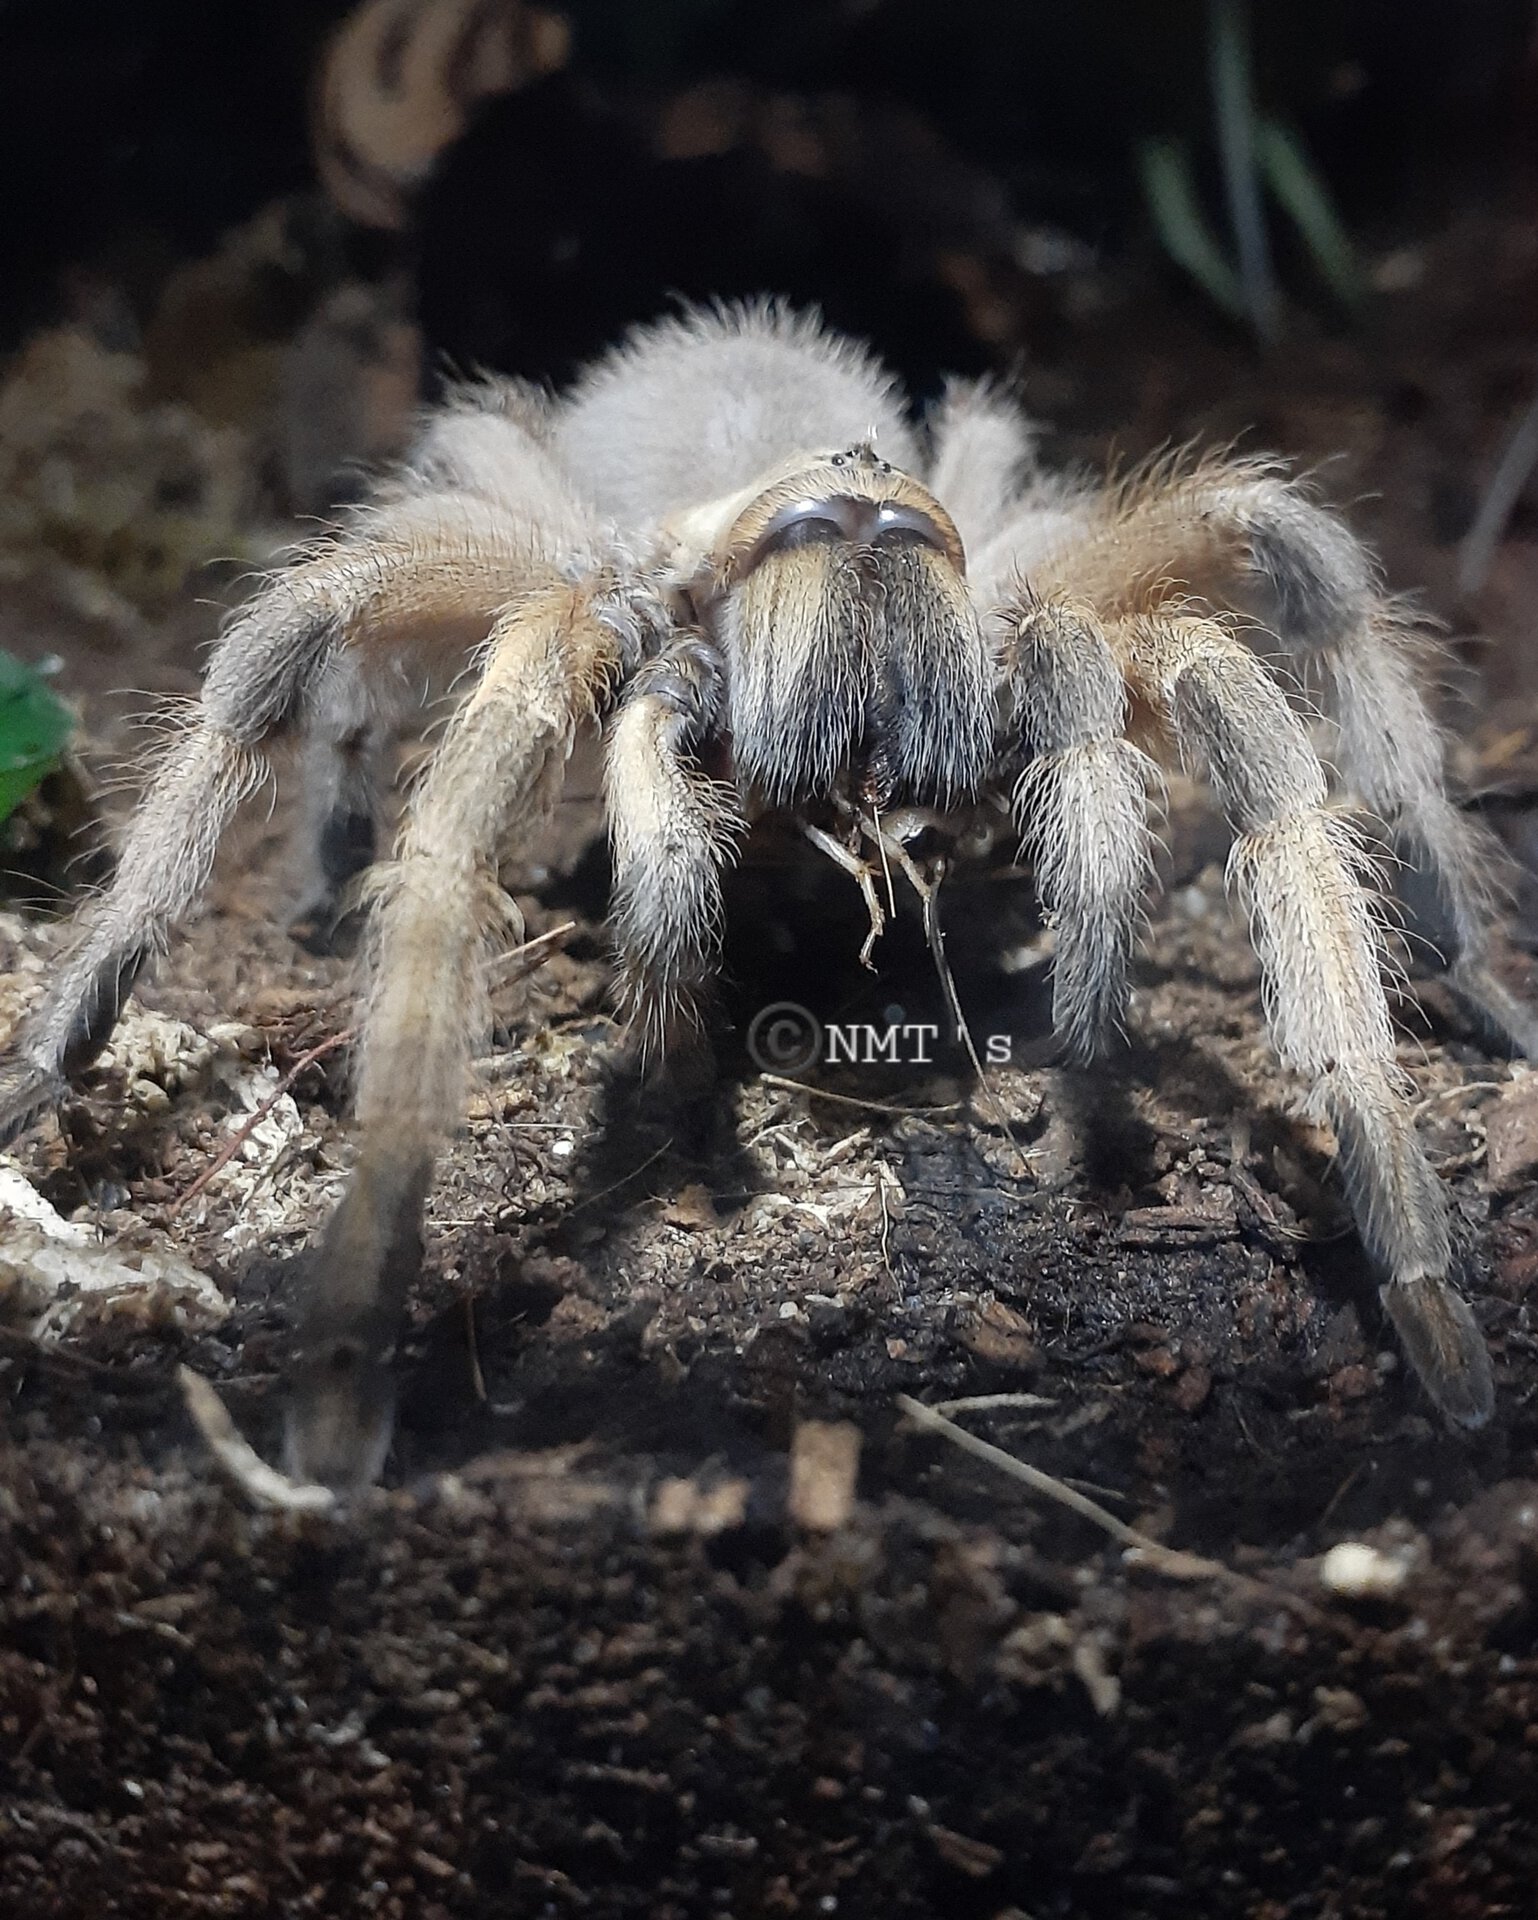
column 728, row 543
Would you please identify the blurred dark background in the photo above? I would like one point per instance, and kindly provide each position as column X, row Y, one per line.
column 237, row 243
column 133, row 137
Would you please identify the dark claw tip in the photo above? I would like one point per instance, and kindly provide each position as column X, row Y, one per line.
column 341, row 1418
column 27, row 1092
column 1444, row 1345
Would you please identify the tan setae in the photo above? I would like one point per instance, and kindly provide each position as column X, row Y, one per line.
column 729, row 545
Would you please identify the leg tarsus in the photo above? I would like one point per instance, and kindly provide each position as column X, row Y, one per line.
column 343, row 755
column 27, row 1092
column 164, row 867
column 1445, row 1347
column 328, row 919
column 1401, row 1210
column 353, row 1287
column 1506, row 1022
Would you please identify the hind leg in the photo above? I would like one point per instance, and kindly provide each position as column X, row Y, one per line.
column 420, row 578
column 345, row 776
column 1245, row 539
column 251, row 692
column 1304, row 880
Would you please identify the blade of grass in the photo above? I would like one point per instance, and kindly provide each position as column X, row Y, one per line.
column 1512, row 473
column 1299, row 190
column 1233, row 100
column 1170, row 190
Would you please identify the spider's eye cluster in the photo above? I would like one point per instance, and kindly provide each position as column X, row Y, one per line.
column 838, row 518
column 861, row 456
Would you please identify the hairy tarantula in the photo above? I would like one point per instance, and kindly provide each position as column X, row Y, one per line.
column 729, row 544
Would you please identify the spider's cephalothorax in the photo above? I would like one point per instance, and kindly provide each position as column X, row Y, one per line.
column 864, row 640
column 839, row 599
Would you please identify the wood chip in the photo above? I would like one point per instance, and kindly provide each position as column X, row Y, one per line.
column 824, row 1466
column 1511, row 1131
column 684, row 1506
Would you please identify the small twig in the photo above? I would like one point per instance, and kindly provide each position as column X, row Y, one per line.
column 248, row 1126
column 886, row 865
column 1512, row 472
column 614, row 1186
column 885, row 1175
column 928, row 891
column 1147, row 1551
column 990, row 1403
column 1180, row 1566
column 1466, row 1086
column 263, row 1485
column 532, row 954
column 852, row 1100
column 473, row 1348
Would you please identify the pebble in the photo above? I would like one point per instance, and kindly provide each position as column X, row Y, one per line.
column 1357, row 1571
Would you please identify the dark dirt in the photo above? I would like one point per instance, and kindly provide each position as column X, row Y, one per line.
column 577, row 1656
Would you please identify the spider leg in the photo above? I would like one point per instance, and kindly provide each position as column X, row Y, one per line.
column 671, row 829
column 344, row 754
column 323, row 645
column 1302, row 874
column 1247, row 539
column 1082, row 807
column 438, row 909
column 254, row 685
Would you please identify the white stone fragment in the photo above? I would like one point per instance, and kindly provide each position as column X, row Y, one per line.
column 56, row 1273
column 1357, row 1571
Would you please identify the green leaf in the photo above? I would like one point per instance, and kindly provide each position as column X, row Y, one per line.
column 34, row 725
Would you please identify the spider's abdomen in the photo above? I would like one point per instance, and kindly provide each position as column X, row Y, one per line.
column 694, row 409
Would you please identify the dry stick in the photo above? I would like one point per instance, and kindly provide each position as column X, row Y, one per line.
column 534, row 953
column 1152, row 1553
column 927, row 887
column 614, row 1186
column 852, row 1100
column 990, row 1402
column 472, row 1346
column 263, row 1485
column 1183, row 1566
column 248, row 1126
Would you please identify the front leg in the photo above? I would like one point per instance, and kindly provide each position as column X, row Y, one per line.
column 672, row 830
column 1082, row 806
column 438, row 910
